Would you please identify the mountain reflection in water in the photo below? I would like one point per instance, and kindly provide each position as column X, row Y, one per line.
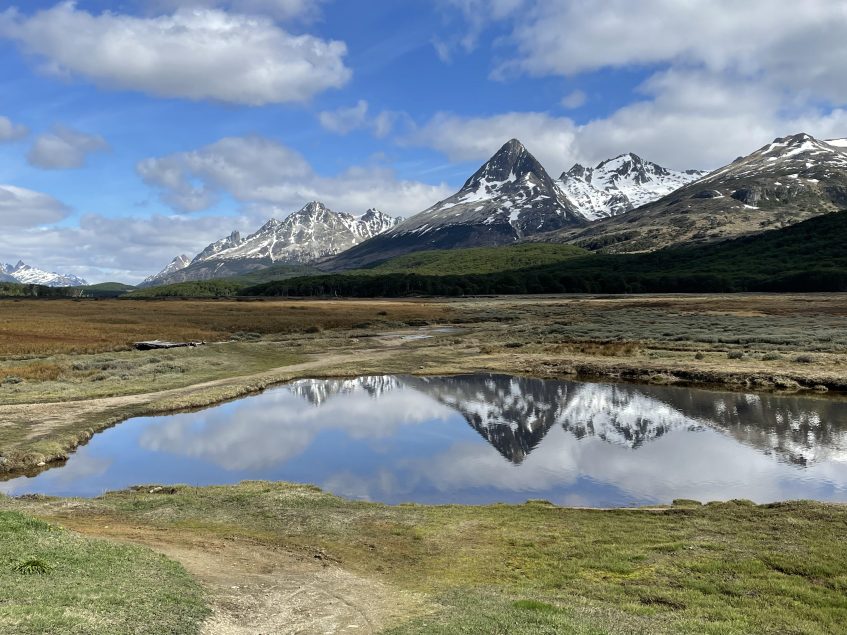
column 396, row 438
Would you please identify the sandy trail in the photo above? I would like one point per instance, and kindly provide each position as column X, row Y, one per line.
column 258, row 589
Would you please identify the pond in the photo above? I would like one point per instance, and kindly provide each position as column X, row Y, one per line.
column 479, row 439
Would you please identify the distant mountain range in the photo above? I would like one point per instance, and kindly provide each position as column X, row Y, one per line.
column 625, row 204
column 303, row 237
column 787, row 181
column 25, row 274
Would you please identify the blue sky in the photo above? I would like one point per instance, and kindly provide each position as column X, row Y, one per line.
column 133, row 131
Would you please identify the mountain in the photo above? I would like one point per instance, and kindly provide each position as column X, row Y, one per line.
column 620, row 185
column 177, row 264
column 514, row 414
column 25, row 274
column 510, row 197
column 787, row 181
column 306, row 235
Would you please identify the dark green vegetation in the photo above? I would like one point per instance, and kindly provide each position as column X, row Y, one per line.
column 56, row 581
column 478, row 259
column 104, row 290
column 809, row 256
column 726, row 568
column 222, row 287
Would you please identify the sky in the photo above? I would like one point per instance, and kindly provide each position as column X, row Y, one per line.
column 137, row 130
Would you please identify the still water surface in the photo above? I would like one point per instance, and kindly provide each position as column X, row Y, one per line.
column 479, row 439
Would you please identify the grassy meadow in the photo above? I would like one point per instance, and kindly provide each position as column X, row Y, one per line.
column 60, row 582
column 723, row 568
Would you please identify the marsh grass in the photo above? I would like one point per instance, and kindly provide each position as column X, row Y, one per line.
column 729, row 568
column 58, row 582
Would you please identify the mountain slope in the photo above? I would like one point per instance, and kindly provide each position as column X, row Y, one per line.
column 177, row 264
column 619, row 185
column 784, row 182
column 311, row 233
column 808, row 256
column 511, row 196
column 25, row 274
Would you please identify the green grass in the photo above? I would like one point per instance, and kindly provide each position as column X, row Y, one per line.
column 58, row 582
column 727, row 568
column 478, row 260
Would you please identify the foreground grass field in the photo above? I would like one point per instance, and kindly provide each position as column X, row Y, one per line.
column 721, row 568
column 57, row 581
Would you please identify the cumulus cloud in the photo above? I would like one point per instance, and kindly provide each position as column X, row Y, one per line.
column 345, row 120
column 551, row 139
column 64, row 149
column 682, row 119
column 304, row 10
column 796, row 45
column 574, row 99
column 146, row 244
column 193, row 54
column 20, row 207
column 261, row 172
column 10, row 131
column 726, row 77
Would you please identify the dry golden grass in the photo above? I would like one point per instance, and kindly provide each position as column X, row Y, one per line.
column 34, row 328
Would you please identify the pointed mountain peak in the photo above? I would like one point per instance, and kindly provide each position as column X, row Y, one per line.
column 512, row 162
column 313, row 207
column 20, row 265
column 577, row 171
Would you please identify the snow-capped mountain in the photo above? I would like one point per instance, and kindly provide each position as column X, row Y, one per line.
column 514, row 414
column 620, row 185
column 318, row 391
column 511, row 196
column 306, row 235
column 177, row 264
column 25, row 274
column 787, row 181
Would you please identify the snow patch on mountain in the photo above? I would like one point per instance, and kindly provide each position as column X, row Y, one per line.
column 511, row 190
column 26, row 274
column 177, row 264
column 306, row 235
column 621, row 184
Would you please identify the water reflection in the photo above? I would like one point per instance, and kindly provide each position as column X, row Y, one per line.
column 421, row 438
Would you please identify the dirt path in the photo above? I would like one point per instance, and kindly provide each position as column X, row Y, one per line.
column 255, row 589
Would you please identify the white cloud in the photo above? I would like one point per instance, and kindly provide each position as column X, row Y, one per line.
column 64, row 149
column 20, row 207
column 304, row 10
column 790, row 44
column 574, row 99
column 10, row 131
column 685, row 120
column 194, row 54
column 727, row 76
column 122, row 248
column 551, row 139
column 345, row 120
column 259, row 171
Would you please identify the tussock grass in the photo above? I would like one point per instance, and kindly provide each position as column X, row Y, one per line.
column 58, row 582
column 35, row 328
column 730, row 567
